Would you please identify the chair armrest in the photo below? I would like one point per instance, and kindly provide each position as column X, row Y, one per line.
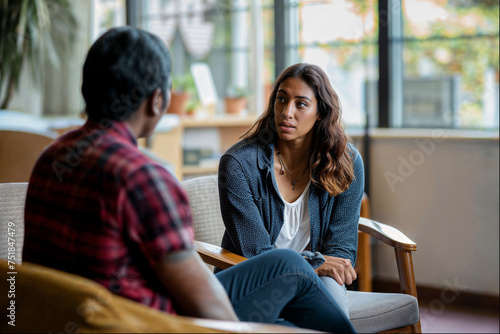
column 387, row 234
column 217, row 256
column 248, row 327
column 403, row 247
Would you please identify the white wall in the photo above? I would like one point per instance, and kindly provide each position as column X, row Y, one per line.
column 447, row 201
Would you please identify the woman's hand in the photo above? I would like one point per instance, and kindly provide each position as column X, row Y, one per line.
column 339, row 269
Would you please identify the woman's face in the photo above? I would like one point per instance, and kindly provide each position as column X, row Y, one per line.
column 295, row 110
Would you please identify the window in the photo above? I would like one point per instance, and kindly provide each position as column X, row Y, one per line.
column 107, row 14
column 450, row 57
column 441, row 58
column 341, row 37
column 217, row 33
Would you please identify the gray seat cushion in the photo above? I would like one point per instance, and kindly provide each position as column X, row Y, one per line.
column 372, row 312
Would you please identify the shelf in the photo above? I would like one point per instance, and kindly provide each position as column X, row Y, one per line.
column 194, row 170
column 226, row 120
column 168, row 144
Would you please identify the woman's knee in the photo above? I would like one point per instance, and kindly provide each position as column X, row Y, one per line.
column 288, row 254
column 290, row 259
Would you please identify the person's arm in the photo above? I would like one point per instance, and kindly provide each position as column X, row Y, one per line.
column 158, row 222
column 340, row 245
column 193, row 288
column 240, row 212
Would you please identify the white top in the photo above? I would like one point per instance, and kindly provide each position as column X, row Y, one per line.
column 296, row 231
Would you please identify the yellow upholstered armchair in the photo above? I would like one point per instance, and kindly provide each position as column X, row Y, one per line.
column 48, row 300
column 39, row 299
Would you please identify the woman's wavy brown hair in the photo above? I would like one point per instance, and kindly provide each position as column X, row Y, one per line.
column 331, row 166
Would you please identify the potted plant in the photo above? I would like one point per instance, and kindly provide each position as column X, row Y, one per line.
column 236, row 100
column 184, row 95
column 27, row 36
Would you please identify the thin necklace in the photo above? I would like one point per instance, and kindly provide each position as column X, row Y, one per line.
column 288, row 175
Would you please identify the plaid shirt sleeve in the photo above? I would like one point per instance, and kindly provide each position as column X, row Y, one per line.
column 156, row 213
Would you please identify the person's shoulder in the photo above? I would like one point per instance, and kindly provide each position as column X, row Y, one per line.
column 121, row 158
column 244, row 145
column 248, row 154
column 353, row 152
column 245, row 149
column 143, row 173
column 357, row 159
column 70, row 148
column 120, row 151
column 132, row 159
column 155, row 172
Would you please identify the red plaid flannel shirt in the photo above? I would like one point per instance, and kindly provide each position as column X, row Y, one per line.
column 97, row 207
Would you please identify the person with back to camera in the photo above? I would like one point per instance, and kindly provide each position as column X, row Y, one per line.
column 295, row 182
column 97, row 207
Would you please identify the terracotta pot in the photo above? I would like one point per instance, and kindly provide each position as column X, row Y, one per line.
column 235, row 105
column 178, row 103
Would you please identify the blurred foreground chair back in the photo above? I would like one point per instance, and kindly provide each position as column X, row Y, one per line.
column 19, row 150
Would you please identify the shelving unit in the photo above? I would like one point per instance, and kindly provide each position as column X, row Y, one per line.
column 168, row 145
column 219, row 121
column 198, row 170
column 230, row 129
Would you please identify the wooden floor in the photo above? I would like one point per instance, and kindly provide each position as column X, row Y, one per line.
column 452, row 319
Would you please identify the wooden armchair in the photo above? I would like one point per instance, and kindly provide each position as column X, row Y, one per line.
column 368, row 311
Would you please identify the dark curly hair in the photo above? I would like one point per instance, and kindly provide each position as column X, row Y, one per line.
column 331, row 165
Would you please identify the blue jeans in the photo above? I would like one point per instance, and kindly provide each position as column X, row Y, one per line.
column 281, row 284
column 338, row 293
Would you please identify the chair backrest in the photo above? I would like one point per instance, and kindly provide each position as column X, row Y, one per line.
column 19, row 151
column 12, row 199
column 203, row 194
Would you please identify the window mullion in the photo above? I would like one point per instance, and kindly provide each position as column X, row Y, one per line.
column 279, row 37
column 383, row 65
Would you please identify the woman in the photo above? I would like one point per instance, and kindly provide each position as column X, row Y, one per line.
column 295, row 182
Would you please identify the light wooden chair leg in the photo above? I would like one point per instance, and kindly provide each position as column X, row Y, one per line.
column 407, row 278
column 364, row 264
